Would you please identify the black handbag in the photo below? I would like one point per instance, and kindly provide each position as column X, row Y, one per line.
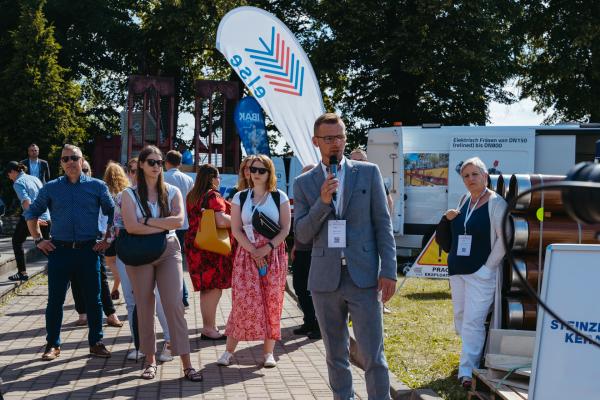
column 137, row 250
column 443, row 234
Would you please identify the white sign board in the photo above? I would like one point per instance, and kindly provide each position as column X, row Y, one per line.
column 565, row 366
column 502, row 154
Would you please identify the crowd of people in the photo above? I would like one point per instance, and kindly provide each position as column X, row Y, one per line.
column 144, row 221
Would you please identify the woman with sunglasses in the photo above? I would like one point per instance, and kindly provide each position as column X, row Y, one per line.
column 257, row 294
column 154, row 207
column 210, row 272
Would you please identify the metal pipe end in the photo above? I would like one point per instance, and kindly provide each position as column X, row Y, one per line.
column 515, row 314
column 521, row 232
column 520, row 183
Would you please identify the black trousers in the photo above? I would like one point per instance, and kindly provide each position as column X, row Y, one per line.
column 78, row 296
column 20, row 236
column 300, row 270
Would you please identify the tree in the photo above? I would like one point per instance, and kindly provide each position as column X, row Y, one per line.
column 411, row 61
column 41, row 106
column 561, row 64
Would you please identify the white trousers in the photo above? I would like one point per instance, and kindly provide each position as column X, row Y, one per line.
column 130, row 302
column 472, row 296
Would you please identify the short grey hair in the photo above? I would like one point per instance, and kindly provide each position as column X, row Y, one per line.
column 73, row 148
column 476, row 162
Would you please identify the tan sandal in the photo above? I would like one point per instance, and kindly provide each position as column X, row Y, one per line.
column 149, row 372
column 192, row 375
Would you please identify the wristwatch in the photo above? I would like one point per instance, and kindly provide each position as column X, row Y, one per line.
column 38, row 240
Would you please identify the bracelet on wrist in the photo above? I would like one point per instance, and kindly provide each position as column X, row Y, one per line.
column 146, row 220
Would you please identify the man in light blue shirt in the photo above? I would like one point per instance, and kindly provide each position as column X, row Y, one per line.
column 27, row 188
column 185, row 183
column 35, row 165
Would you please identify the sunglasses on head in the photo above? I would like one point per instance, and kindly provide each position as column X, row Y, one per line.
column 258, row 170
column 66, row 159
column 85, row 170
column 151, row 162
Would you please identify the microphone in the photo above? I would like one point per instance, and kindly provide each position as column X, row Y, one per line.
column 333, row 168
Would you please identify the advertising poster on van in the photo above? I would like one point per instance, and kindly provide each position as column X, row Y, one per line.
column 503, row 155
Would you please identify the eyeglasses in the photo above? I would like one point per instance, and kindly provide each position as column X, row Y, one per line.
column 66, row 159
column 258, row 170
column 151, row 162
column 331, row 139
column 85, row 170
column 133, row 171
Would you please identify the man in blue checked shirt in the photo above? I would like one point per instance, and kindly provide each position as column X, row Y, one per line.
column 74, row 201
column 27, row 188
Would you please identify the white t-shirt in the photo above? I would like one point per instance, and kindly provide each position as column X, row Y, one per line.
column 268, row 206
column 154, row 208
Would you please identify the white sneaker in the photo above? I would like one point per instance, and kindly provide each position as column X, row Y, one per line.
column 135, row 355
column 269, row 361
column 165, row 354
column 225, row 359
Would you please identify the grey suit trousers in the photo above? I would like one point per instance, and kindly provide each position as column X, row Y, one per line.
column 365, row 308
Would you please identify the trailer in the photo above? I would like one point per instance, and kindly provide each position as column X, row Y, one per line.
column 420, row 165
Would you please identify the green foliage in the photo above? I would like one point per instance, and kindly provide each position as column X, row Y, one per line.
column 409, row 61
column 39, row 104
column 561, row 64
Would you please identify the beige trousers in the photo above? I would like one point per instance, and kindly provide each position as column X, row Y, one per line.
column 167, row 274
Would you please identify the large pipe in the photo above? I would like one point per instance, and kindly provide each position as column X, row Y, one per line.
column 501, row 186
column 519, row 313
column 556, row 229
column 528, row 267
column 519, row 183
column 492, row 182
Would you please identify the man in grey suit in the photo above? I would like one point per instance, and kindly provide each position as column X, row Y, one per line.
column 35, row 165
column 353, row 263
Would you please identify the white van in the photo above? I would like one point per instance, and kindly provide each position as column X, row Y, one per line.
column 420, row 165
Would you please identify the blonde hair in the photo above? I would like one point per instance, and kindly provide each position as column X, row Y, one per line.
column 242, row 183
column 268, row 163
column 330, row 119
column 477, row 163
column 115, row 178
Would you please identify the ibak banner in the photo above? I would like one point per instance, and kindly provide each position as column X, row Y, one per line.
column 271, row 63
column 250, row 123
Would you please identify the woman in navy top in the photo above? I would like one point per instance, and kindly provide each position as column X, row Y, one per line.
column 474, row 258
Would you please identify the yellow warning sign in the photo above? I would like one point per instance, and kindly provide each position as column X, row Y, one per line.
column 433, row 255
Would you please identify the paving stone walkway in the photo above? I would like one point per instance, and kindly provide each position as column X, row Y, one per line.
column 301, row 372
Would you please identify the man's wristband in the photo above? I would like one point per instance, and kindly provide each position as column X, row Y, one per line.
column 38, row 240
column 146, row 220
column 272, row 246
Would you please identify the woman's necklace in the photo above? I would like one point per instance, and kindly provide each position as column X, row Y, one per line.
column 258, row 202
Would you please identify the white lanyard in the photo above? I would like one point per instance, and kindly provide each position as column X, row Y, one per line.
column 471, row 210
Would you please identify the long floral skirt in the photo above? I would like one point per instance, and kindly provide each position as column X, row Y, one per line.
column 257, row 302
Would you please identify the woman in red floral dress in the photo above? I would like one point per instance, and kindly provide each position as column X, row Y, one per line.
column 257, row 298
column 210, row 272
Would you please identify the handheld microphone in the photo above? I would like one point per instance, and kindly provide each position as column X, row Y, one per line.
column 333, row 168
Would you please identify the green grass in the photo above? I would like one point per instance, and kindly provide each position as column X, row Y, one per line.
column 421, row 345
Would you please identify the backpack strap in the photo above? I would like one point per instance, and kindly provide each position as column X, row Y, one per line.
column 275, row 195
column 276, row 198
column 243, row 197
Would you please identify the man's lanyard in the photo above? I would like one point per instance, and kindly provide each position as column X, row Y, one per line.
column 470, row 210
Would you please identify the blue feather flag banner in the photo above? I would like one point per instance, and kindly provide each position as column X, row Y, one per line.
column 250, row 123
column 269, row 60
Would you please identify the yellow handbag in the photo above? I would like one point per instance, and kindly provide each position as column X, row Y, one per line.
column 209, row 237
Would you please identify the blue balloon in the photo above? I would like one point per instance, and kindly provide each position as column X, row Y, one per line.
column 250, row 122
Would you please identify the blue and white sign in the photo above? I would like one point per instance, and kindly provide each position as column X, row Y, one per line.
column 250, row 123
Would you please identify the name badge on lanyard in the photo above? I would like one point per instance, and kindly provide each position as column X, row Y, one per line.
column 464, row 241
column 336, row 233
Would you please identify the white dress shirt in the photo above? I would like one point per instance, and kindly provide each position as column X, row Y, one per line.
column 338, row 202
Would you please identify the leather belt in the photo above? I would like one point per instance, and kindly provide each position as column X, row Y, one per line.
column 344, row 262
column 74, row 245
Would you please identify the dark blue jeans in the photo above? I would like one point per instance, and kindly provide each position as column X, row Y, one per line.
column 83, row 265
column 180, row 235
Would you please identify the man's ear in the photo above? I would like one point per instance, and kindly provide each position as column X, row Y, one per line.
column 315, row 142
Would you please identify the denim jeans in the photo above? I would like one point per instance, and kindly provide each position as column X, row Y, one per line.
column 84, row 265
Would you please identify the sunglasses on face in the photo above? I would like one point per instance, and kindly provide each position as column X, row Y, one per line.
column 85, row 170
column 152, row 162
column 66, row 159
column 258, row 170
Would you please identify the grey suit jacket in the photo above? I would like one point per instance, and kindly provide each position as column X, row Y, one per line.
column 370, row 247
column 43, row 174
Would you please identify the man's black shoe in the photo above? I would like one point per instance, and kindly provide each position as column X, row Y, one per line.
column 314, row 335
column 18, row 277
column 303, row 330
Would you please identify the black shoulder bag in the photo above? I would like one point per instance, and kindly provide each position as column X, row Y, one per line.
column 261, row 222
column 443, row 231
column 138, row 250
